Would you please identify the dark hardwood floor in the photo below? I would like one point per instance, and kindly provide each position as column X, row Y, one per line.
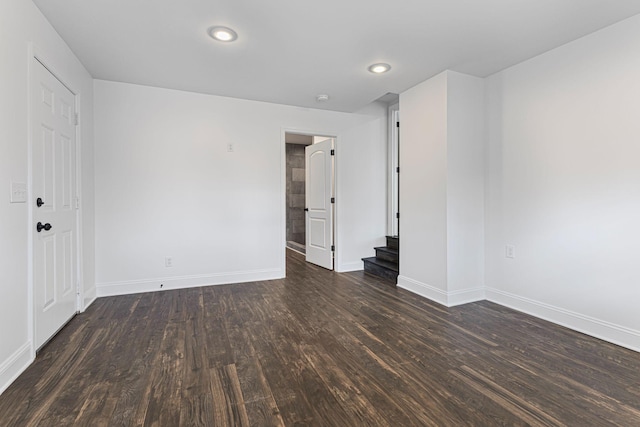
column 319, row 349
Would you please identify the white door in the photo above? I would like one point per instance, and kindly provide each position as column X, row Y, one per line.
column 319, row 190
column 54, row 198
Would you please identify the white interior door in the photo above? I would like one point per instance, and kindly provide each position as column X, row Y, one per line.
column 54, row 199
column 319, row 190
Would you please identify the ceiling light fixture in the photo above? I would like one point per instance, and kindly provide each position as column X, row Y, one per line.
column 322, row 98
column 379, row 68
column 223, row 34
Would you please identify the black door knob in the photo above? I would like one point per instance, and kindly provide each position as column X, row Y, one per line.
column 41, row 227
column 39, row 202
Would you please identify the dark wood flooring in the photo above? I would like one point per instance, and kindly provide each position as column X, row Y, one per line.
column 319, row 349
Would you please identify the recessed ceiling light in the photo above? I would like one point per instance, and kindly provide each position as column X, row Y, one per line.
column 223, row 34
column 379, row 68
column 322, row 98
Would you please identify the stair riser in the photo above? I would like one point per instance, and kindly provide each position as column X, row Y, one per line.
column 392, row 242
column 387, row 256
column 379, row 271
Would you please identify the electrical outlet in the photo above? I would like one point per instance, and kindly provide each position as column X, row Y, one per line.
column 230, row 148
column 168, row 261
column 510, row 251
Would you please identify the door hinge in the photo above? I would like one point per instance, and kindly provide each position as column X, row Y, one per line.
column 397, row 124
column 398, row 169
column 333, row 152
column 333, row 200
column 398, row 215
column 333, row 248
column 77, row 119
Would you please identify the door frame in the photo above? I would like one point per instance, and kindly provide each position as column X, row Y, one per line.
column 36, row 54
column 393, row 203
column 283, row 192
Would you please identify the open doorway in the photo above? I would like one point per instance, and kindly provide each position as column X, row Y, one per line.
column 295, row 190
column 310, row 197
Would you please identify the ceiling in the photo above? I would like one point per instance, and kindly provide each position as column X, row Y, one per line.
column 289, row 51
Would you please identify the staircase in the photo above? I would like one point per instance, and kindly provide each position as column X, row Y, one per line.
column 386, row 262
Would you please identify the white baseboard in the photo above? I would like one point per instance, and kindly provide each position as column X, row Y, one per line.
column 151, row 285
column 448, row 299
column 11, row 368
column 350, row 266
column 422, row 289
column 606, row 331
column 465, row 296
column 88, row 298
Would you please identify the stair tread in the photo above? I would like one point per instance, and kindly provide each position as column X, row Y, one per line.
column 387, row 249
column 382, row 263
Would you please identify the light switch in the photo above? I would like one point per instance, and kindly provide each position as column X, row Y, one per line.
column 18, row 192
column 510, row 251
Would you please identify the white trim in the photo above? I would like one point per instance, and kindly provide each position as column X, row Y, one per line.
column 31, row 323
column 393, row 113
column 465, row 296
column 182, row 282
column 448, row 299
column 283, row 199
column 283, row 190
column 349, row 266
column 616, row 334
column 88, row 298
column 79, row 202
column 15, row 365
column 422, row 289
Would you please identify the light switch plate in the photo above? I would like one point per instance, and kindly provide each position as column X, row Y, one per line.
column 18, row 192
column 510, row 251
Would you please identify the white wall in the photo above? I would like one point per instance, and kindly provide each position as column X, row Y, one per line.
column 564, row 185
column 465, row 187
column 423, row 185
column 167, row 186
column 21, row 23
column 442, row 189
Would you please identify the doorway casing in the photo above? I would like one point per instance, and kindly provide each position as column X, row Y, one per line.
column 393, row 171
column 283, row 187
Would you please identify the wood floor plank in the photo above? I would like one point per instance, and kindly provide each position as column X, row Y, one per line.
column 161, row 406
column 319, row 349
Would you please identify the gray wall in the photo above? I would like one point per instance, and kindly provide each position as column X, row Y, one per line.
column 295, row 193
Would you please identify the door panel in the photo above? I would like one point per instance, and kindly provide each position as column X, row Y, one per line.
column 43, row 158
column 317, row 234
column 54, row 181
column 48, row 276
column 319, row 221
column 316, row 197
column 67, row 263
column 67, row 173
